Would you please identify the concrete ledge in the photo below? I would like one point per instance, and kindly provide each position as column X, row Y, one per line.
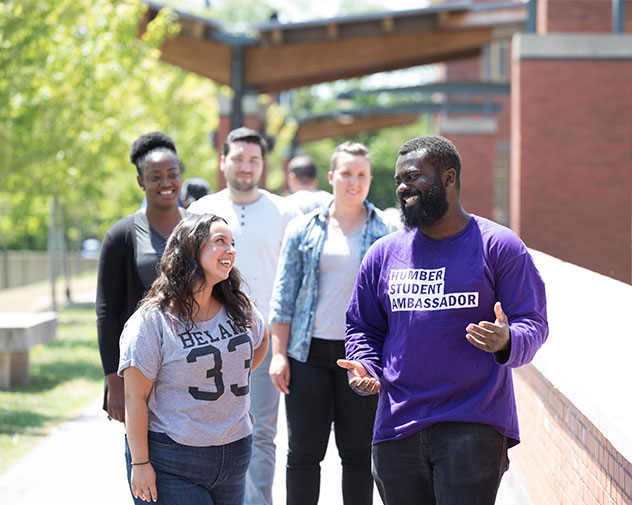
column 587, row 355
column 585, row 46
column 19, row 332
column 468, row 126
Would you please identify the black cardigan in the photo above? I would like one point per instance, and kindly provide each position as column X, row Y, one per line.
column 119, row 289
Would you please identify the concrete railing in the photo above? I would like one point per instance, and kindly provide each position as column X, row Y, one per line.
column 20, row 268
column 19, row 332
column 574, row 400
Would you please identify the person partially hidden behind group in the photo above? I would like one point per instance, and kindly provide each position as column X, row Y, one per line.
column 193, row 189
column 131, row 251
column 302, row 183
column 186, row 356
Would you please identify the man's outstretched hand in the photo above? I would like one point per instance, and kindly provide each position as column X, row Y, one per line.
column 490, row 337
column 360, row 380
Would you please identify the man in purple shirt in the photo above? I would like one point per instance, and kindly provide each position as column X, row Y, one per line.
column 441, row 312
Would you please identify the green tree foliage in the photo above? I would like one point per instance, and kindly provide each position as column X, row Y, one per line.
column 77, row 87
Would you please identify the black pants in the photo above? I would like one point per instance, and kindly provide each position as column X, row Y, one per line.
column 444, row 464
column 320, row 395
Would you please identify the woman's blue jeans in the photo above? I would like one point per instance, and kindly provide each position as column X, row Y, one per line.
column 214, row 475
column 320, row 395
column 444, row 464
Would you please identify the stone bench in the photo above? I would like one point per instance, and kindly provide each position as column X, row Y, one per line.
column 19, row 332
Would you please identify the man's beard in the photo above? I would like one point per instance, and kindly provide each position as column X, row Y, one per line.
column 429, row 207
column 243, row 187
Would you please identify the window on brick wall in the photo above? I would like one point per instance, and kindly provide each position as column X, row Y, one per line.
column 495, row 61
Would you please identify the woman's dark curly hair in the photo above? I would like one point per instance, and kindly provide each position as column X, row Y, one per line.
column 150, row 143
column 181, row 276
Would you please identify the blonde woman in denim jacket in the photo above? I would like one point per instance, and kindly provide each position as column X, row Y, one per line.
column 320, row 257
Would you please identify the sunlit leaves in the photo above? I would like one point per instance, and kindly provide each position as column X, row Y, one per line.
column 77, row 87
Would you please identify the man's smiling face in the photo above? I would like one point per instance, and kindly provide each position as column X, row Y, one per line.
column 421, row 193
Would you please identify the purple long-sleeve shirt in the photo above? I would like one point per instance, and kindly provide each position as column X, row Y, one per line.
column 406, row 321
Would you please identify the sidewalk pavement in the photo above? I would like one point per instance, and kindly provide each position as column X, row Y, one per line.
column 38, row 296
column 82, row 461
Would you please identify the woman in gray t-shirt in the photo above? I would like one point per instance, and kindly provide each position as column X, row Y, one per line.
column 186, row 357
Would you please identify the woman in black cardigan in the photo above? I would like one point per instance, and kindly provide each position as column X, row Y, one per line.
column 131, row 252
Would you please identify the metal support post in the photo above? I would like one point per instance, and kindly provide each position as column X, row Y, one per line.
column 237, row 84
column 532, row 16
column 618, row 16
column 52, row 263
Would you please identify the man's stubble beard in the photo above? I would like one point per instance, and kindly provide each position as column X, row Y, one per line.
column 242, row 187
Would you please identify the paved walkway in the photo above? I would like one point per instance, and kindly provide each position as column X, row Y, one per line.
column 82, row 462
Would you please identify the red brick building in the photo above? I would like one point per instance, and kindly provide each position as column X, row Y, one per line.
column 568, row 128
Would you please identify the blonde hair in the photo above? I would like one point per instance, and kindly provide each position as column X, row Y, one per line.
column 353, row 148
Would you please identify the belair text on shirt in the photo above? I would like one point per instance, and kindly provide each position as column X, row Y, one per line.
column 423, row 289
column 197, row 338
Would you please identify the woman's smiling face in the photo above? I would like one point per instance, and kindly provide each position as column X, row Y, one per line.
column 351, row 179
column 217, row 255
column 161, row 179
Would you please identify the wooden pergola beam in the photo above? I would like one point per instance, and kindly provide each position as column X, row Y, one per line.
column 354, row 72
column 203, row 57
column 352, row 121
column 194, row 48
column 508, row 14
column 310, row 131
column 284, row 56
column 275, row 68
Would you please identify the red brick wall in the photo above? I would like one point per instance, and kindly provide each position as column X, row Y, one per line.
column 478, row 150
column 555, row 16
column 563, row 458
column 477, row 173
column 462, row 70
column 572, row 161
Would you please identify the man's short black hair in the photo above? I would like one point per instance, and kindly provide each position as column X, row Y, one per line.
column 247, row 135
column 441, row 152
column 304, row 167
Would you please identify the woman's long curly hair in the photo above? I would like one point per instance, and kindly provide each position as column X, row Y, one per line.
column 181, row 276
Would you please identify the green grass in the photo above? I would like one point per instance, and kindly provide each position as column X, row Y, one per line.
column 66, row 376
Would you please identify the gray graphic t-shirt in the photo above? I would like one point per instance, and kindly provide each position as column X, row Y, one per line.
column 201, row 391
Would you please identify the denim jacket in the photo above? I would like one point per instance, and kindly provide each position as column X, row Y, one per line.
column 295, row 287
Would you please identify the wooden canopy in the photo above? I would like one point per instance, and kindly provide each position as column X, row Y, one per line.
column 278, row 56
column 350, row 122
